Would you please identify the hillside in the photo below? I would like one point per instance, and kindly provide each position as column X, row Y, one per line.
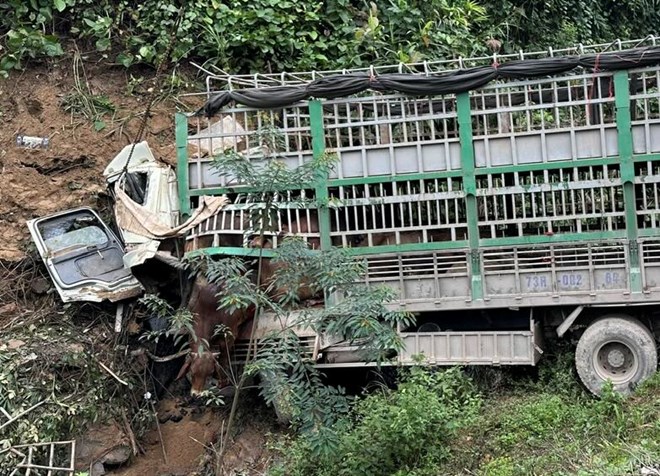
column 34, row 324
column 81, row 73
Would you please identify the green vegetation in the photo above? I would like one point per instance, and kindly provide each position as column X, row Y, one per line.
column 81, row 103
column 53, row 371
column 272, row 35
column 442, row 422
column 393, row 432
column 436, row 421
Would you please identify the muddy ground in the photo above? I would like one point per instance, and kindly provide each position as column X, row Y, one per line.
column 188, row 439
column 68, row 174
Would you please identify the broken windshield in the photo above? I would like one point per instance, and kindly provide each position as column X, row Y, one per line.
column 70, row 232
column 89, row 236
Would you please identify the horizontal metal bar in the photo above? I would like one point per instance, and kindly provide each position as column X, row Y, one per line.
column 649, row 232
column 233, row 251
column 549, row 187
column 198, row 192
column 646, row 157
column 301, row 77
column 431, row 246
column 559, row 238
column 403, row 198
column 394, row 178
column 560, row 164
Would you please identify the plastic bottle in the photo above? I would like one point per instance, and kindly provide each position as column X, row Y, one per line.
column 30, row 142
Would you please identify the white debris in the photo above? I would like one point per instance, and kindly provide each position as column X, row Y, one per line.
column 210, row 141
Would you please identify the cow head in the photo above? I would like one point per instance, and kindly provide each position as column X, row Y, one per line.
column 201, row 367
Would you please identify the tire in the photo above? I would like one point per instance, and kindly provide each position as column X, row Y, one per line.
column 618, row 348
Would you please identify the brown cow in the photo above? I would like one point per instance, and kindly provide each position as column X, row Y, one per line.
column 201, row 362
column 232, row 225
column 301, row 226
column 270, row 267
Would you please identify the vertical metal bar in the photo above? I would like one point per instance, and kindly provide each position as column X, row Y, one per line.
column 318, row 148
column 625, row 141
column 72, row 461
column 181, row 133
column 470, row 188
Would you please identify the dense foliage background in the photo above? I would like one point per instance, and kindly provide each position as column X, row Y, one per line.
column 274, row 35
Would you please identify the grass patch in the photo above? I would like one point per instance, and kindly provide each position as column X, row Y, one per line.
column 540, row 425
column 80, row 102
column 552, row 426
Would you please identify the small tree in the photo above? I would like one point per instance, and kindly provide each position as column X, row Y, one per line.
column 354, row 313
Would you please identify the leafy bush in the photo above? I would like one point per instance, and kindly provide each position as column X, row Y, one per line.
column 399, row 432
column 274, row 35
column 562, row 23
column 57, row 365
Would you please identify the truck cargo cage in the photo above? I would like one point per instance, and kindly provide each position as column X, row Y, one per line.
column 543, row 191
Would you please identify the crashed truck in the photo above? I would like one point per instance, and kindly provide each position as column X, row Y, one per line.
column 505, row 199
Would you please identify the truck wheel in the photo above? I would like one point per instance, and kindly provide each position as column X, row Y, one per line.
column 616, row 348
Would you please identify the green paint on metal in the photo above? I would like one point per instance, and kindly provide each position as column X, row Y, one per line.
column 396, row 178
column 318, row 148
column 198, row 192
column 646, row 157
column 228, row 190
column 625, row 142
column 561, row 164
column 431, row 246
column 232, row 251
column 558, row 238
column 181, row 134
column 648, row 232
column 470, row 187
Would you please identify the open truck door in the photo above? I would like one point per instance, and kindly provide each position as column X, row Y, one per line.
column 84, row 257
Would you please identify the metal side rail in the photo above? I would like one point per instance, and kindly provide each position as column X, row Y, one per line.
column 515, row 347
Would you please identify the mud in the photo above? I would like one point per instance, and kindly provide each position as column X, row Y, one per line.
column 191, row 435
column 69, row 173
column 184, row 441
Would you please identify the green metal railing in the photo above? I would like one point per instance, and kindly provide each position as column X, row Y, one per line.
column 468, row 173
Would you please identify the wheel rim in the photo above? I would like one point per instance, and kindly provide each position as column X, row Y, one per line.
column 615, row 361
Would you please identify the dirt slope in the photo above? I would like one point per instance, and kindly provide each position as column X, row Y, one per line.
column 69, row 172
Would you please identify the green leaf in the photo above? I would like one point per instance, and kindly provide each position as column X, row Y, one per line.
column 125, row 59
column 103, row 44
column 52, row 46
column 99, row 125
column 59, row 5
column 7, row 62
column 146, row 52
